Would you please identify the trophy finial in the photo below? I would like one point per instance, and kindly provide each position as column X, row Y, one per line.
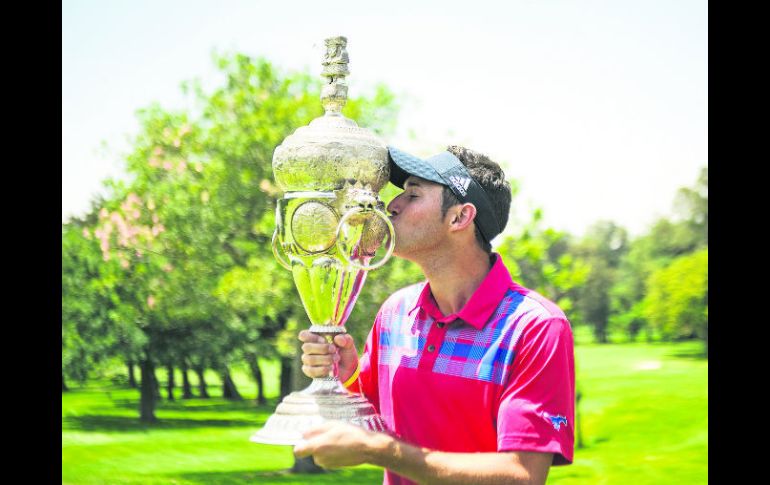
column 334, row 93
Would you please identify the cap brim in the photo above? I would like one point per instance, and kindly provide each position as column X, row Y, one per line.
column 402, row 165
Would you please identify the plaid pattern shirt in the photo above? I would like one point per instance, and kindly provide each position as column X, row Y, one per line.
column 496, row 376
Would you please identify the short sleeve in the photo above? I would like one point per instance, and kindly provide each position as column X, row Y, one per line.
column 537, row 407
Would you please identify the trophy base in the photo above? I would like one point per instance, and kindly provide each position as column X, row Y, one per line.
column 324, row 400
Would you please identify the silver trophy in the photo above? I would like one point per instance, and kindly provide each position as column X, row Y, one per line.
column 331, row 229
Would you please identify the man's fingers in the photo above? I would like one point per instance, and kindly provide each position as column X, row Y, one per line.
column 318, row 349
column 316, row 360
column 307, row 336
column 314, row 431
column 308, row 445
column 316, row 371
column 303, row 449
column 344, row 341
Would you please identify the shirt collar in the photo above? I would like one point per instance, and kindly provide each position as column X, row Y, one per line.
column 482, row 303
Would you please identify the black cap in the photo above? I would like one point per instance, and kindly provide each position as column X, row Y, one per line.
column 446, row 169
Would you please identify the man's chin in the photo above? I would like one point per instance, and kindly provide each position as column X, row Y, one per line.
column 401, row 253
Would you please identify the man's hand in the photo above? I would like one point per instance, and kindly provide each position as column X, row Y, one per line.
column 336, row 444
column 319, row 356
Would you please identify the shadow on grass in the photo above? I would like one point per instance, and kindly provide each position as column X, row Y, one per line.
column 193, row 405
column 361, row 476
column 96, row 422
column 694, row 353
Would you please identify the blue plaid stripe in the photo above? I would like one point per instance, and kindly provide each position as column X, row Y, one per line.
column 481, row 354
column 400, row 340
column 484, row 354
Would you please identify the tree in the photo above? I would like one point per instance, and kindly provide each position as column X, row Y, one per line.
column 189, row 232
column 677, row 301
column 667, row 240
column 539, row 258
column 87, row 333
column 691, row 204
column 602, row 248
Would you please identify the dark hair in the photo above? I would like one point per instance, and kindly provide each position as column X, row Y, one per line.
column 491, row 178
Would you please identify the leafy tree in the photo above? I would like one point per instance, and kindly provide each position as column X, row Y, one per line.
column 691, row 204
column 677, row 300
column 188, row 236
column 666, row 241
column 602, row 250
column 539, row 258
column 86, row 327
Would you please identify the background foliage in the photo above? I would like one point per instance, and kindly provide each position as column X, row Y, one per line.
column 173, row 269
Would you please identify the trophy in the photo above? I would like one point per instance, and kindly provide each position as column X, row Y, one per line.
column 331, row 229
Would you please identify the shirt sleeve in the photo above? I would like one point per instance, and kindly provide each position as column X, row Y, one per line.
column 537, row 406
column 366, row 383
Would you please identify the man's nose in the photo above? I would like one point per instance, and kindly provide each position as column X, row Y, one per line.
column 394, row 208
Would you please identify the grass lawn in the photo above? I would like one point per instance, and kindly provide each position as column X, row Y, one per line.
column 644, row 420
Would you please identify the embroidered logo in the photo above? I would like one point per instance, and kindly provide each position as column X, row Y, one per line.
column 460, row 183
column 557, row 421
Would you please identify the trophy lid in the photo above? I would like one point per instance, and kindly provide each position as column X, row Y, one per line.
column 332, row 150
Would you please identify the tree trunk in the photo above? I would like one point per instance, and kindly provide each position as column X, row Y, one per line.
column 229, row 391
column 633, row 329
column 286, row 364
column 64, row 387
column 186, row 389
column 600, row 332
column 131, row 376
column 170, row 382
column 257, row 373
column 202, row 388
column 147, row 392
column 156, row 385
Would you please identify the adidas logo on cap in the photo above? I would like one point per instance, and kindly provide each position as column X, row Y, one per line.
column 460, row 183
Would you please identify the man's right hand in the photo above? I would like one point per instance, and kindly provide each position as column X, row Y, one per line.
column 319, row 356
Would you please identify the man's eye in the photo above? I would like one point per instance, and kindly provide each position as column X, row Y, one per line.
column 412, row 196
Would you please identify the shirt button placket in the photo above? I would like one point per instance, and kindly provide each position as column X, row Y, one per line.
column 434, row 341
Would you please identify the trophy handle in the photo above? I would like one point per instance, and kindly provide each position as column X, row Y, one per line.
column 391, row 242
column 277, row 252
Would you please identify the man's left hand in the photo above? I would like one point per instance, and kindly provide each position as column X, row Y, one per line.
column 335, row 444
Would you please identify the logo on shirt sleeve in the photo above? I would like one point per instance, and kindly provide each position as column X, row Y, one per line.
column 556, row 420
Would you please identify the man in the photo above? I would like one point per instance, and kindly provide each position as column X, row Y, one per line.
column 472, row 373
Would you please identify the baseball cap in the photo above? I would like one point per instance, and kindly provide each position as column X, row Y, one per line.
column 446, row 169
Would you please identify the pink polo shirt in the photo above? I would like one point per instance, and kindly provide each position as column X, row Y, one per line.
column 498, row 375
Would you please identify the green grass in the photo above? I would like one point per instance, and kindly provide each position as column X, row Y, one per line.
column 644, row 415
column 644, row 421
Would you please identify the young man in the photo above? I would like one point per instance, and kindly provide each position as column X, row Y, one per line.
column 472, row 373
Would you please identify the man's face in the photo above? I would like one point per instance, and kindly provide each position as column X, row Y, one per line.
column 416, row 217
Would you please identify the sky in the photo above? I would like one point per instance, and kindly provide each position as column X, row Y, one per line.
column 599, row 109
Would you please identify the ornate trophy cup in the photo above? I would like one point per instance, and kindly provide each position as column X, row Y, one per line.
column 330, row 230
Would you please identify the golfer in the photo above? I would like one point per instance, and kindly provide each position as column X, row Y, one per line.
column 472, row 372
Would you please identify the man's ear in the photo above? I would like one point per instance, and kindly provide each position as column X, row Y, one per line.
column 462, row 216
